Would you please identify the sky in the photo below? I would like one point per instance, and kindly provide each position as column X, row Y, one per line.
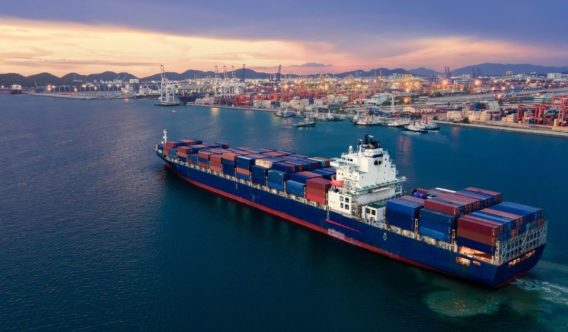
column 62, row 36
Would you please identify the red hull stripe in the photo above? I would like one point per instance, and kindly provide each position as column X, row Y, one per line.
column 319, row 229
column 341, row 225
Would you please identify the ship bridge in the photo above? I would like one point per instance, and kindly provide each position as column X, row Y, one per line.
column 364, row 176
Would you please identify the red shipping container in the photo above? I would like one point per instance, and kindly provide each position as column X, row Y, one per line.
column 422, row 191
column 316, row 198
column 243, row 171
column 215, row 160
column 203, row 165
column 165, row 150
column 442, row 207
column 497, row 195
column 233, row 155
column 170, row 144
column 319, row 183
column 216, row 168
column 485, row 239
column 479, row 225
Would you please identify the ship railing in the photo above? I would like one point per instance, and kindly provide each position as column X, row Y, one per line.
column 521, row 244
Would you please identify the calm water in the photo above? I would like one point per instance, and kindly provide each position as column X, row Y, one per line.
column 96, row 235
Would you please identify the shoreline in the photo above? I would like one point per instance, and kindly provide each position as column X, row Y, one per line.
column 524, row 130
column 241, row 108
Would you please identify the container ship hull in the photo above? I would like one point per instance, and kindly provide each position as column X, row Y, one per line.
column 388, row 241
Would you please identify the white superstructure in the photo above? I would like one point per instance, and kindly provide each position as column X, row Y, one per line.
column 364, row 176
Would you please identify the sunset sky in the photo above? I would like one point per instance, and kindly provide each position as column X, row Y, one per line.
column 304, row 36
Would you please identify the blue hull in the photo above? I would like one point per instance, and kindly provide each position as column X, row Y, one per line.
column 382, row 241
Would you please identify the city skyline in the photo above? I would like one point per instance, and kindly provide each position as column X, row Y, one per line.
column 303, row 37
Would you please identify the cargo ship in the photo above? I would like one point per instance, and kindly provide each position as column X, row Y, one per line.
column 470, row 234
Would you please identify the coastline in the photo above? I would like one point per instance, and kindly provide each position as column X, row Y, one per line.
column 524, row 130
column 241, row 108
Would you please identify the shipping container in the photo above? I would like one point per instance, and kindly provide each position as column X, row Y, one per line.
column 413, row 199
column 323, row 162
column 228, row 169
column 440, row 236
column 497, row 195
column 449, row 208
column 171, row 144
column 295, row 188
column 488, row 249
column 529, row 213
column 302, row 177
column 402, row 213
column 277, row 179
column 437, row 221
column 283, row 167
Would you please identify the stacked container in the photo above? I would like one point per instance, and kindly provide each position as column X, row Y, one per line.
column 302, row 177
column 316, row 189
column 402, row 213
column 479, row 233
column 436, row 225
column 498, row 198
column 295, row 188
column 323, row 162
column 258, row 174
column 266, row 162
column 204, row 158
column 283, row 167
column 215, row 161
column 277, row 179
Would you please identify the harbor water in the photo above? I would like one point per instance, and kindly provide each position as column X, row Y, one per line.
column 95, row 234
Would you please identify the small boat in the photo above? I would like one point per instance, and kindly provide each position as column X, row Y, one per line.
column 306, row 122
column 416, row 127
column 399, row 123
column 431, row 126
column 285, row 113
column 168, row 103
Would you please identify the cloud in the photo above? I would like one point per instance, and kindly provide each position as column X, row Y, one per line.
column 30, row 46
column 311, row 65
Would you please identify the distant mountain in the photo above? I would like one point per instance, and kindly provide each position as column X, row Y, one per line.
column 43, row 79
column 11, row 78
column 422, row 71
column 373, row 72
column 73, row 78
column 192, row 74
column 501, row 69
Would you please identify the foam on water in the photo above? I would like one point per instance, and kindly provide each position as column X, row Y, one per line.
column 547, row 290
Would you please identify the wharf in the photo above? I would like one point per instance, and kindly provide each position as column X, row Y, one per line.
column 538, row 130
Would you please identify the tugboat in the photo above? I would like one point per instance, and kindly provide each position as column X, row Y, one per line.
column 306, row 122
column 399, row 123
column 285, row 113
column 431, row 126
column 416, row 127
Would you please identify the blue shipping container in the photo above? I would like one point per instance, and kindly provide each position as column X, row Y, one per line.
column 475, row 245
column 295, row 188
column 441, row 236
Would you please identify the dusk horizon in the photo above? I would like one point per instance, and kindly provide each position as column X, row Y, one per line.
column 137, row 37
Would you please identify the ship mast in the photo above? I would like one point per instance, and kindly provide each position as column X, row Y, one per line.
column 164, row 136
